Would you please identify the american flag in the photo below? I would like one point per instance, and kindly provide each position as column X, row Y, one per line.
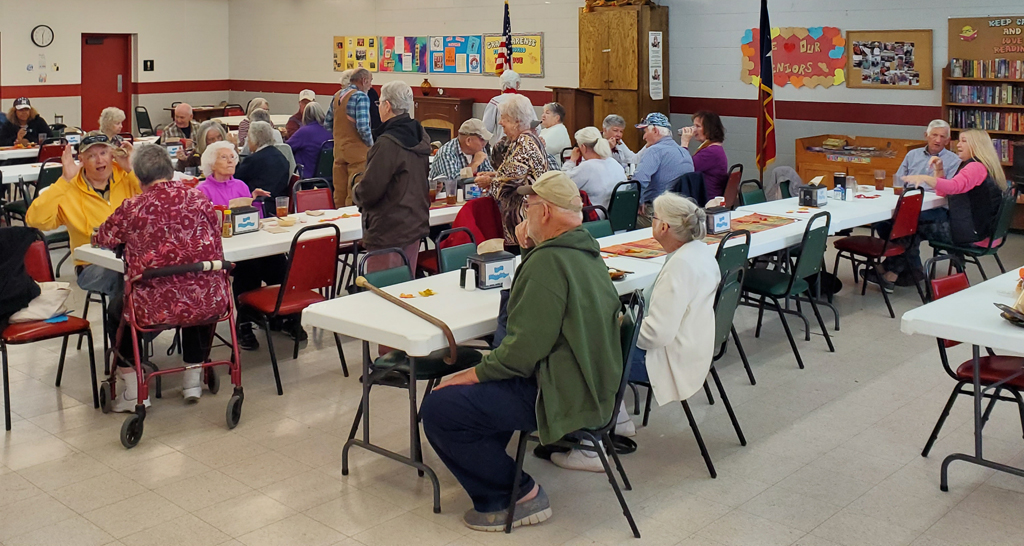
column 504, row 59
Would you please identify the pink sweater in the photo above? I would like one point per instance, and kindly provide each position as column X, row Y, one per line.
column 969, row 177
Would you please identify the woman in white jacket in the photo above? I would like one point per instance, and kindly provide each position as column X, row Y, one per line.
column 592, row 168
column 677, row 336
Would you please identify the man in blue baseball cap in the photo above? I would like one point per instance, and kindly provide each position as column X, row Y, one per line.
column 662, row 162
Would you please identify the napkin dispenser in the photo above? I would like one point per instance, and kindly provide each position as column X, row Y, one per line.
column 245, row 220
column 719, row 220
column 491, row 268
column 814, row 194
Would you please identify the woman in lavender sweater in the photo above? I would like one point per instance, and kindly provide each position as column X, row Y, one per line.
column 710, row 156
column 309, row 139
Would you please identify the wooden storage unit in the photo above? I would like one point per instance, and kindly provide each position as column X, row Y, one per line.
column 810, row 164
column 615, row 63
column 443, row 112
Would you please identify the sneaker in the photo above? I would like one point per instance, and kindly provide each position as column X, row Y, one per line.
column 246, row 337
column 534, row 511
column 624, row 425
column 293, row 328
column 192, row 384
column 578, row 460
column 129, row 397
column 874, row 278
column 908, row 277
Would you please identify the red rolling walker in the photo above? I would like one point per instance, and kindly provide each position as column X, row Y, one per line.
column 131, row 430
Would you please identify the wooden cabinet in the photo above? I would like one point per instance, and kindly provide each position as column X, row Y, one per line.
column 812, row 163
column 615, row 63
column 443, row 112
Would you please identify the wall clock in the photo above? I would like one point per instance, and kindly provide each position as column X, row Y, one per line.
column 42, row 35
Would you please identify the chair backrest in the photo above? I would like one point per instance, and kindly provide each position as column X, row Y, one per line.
column 813, row 246
column 386, row 277
column 175, row 103
column 286, row 151
column 904, row 218
column 481, row 217
column 48, row 151
column 37, row 260
column 942, row 287
column 312, row 199
column 629, row 332
column 325, row 161
column 309, row 184
column 566, row 154
column 142, row 122
column 600, row 228
column 1007, row 208
column 450, row 258
column 727, row 299
column 784, row 189
column 312, row 263
column 624, row 205
column 732, row 188
column 733, row 251
column 593, row 213
column 49, row 172
column 752, row 195
column 234, row 110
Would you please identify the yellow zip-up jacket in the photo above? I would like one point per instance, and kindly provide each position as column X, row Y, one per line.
column 76, row 205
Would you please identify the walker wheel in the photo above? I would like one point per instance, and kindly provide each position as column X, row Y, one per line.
column 131, row 431
column 234, row 412
column 212, row 380
column 106, row 400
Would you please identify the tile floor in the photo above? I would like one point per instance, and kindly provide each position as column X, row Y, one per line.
column 833, row 457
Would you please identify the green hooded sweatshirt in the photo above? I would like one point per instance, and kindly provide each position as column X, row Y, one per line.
column 563, row 327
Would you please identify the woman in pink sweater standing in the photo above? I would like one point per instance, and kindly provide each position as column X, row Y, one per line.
column 709, row 158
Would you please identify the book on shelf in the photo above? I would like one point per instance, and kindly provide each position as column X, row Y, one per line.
column 1011, row 69
column 1004, row 94
column 969, row 118
column 1004, row 149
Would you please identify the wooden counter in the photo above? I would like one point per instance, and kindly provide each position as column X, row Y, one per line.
column 811, row 164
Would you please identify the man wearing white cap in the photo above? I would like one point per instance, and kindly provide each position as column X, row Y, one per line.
column 509, row 86
column 464, row 152
column 306, row 96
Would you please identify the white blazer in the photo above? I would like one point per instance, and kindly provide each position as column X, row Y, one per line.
column 678, row 331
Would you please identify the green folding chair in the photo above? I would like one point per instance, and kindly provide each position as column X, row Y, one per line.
column 733, row 252
column 752, row 196
column 972, row 253
column 454, row 257
column 774, row 284
column 325, row 161
column 624, row 206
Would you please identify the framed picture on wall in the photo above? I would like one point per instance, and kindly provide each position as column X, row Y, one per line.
column 889, row 59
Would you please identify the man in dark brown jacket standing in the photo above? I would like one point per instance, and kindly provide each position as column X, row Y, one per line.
column 392, row 194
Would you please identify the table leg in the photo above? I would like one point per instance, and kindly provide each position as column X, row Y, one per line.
column 978, row 457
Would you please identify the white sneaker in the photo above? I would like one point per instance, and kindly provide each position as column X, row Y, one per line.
column 579, row 460
column 192, row 384
column 624, row 425
column 128, row 399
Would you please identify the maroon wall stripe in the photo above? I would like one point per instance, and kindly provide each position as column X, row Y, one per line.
column 40, row 91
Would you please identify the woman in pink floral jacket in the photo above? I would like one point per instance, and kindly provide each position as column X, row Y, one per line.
column 169, row 224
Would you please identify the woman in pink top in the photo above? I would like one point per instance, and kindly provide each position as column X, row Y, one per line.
column 974, row 193
column 218, row 163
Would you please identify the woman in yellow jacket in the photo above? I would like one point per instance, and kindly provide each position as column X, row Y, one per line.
column 81, row 200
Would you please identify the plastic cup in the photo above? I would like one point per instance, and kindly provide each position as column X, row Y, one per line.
column 451, row 189
column 879, row 179
column 282, row 206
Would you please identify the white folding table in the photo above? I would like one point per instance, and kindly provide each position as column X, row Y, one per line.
column 969, row 316
column 232, row 122
column 9, row 152
column 845, row 214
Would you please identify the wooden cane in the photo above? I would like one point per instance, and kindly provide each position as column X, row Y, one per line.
column 361, row 282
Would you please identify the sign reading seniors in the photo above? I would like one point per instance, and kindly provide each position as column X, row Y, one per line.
column 355, row 52
column 527, row 54
column 801, row 57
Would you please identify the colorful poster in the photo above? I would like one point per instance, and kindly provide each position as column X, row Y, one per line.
column 527, row 53
column 403, row 54
column 655, row 67
column 801, row 56
column 455, row 54
column 355, row 52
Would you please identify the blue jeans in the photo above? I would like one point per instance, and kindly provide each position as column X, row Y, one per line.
column 111, row 284
column 470, row 426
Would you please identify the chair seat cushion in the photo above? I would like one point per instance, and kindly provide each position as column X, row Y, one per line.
column 38, row 330
column 431, row 366
column 865, row 245
column 969, row 250
column 264, row 300
column 769, row 282
column 17, row 207
column 993, row 369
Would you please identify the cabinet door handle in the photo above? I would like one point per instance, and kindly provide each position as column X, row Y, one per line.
column 608, row 81
column 606, row 50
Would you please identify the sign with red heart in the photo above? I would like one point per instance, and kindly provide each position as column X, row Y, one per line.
column 810, row 57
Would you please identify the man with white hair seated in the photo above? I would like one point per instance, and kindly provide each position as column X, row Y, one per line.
column 662, row 163
column 266, row 167
column 183, row 126
column 510, row 81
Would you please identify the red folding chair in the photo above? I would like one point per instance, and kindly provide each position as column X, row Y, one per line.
column 1003, row 372
column 732, row 187
column 38, row 266
column 309, row 278
column 869, row 250
column 50, row 150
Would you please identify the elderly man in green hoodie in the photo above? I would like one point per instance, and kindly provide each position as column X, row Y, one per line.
column 556, row 371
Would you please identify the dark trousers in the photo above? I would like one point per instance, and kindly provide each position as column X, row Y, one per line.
column 638, row 369
column 470, row 426
column 932, row 225
column 251, row 274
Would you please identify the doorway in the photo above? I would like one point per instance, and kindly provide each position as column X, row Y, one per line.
column 106, row 77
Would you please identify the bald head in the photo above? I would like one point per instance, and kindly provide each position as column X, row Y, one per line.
column 182, row 115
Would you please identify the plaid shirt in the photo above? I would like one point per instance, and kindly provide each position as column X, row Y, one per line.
column 450, row 160
column 358, row 108
column 173, row 131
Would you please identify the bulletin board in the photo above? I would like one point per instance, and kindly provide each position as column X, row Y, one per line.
column 801, row 57
column 355, row 52
column 527, row 54
column 403, row 54
column 986, row 38
column 889, row 59
column 456, row 55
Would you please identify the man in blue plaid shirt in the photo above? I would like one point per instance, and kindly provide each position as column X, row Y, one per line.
column 466, row 151
column 352, row 135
